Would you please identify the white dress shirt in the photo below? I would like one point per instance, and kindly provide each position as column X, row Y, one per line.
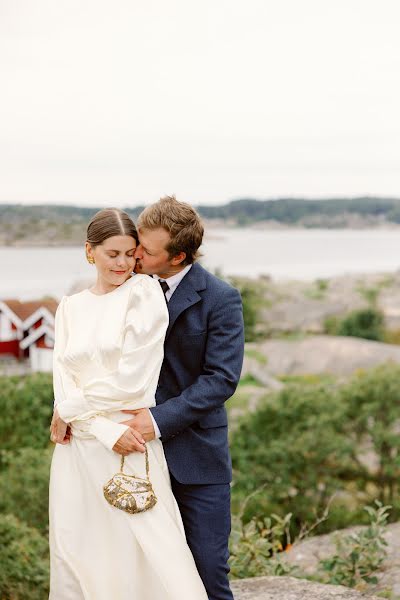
column 173, row 283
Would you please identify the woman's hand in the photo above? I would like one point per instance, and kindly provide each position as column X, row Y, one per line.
column 130, row 441
column 60, row 432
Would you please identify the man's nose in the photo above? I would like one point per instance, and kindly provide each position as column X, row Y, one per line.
column 138, row 252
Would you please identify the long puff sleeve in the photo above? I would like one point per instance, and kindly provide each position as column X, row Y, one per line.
column 133, row 382
column 68, row 397
column 65, row 389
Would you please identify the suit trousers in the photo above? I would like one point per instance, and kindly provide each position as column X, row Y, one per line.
column 206, row 515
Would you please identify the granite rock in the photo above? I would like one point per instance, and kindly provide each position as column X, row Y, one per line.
column 290, row 588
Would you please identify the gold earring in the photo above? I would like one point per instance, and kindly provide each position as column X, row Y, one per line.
column 90, row 259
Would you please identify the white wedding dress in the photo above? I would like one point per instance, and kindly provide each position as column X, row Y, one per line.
column 107, row 357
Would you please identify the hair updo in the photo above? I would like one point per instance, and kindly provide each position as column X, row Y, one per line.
column 109, row 222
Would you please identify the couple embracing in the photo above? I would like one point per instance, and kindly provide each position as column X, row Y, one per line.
column 143, row 364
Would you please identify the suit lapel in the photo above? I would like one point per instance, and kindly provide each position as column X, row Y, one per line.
column 186, row 294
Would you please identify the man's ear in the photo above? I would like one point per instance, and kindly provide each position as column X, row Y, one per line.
column 178, row 259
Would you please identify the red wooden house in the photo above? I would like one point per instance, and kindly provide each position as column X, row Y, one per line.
column 27, row 331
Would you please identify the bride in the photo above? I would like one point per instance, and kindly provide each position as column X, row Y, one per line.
column 107, row 358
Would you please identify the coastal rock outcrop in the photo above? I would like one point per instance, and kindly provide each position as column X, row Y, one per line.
column 304, row 306
column 323, row 354
column 290, row 588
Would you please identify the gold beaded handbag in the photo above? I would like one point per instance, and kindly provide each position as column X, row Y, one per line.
column 130, row 493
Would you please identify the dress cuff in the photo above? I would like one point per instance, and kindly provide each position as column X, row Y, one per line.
column 106, row 431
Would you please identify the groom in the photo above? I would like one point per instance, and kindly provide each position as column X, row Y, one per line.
column 201, row 369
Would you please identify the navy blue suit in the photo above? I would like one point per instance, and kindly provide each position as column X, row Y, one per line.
column 201, row 369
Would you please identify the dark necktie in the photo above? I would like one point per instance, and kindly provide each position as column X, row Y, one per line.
column 164, row 287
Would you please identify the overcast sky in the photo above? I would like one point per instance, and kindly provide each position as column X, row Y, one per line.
column 118, row 102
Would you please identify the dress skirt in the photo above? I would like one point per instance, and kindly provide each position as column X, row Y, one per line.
column 99, row 552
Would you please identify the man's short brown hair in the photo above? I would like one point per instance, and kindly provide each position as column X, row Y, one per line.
column 182, row 223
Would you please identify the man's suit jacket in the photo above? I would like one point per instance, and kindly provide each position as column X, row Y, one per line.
column 201, row 369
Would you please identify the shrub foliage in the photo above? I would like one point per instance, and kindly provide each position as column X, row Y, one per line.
column 26, row 406
column 311, row 443
column 367, row 323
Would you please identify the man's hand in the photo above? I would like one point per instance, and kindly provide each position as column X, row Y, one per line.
column 130, row 441
column 60, row 432
column 142, row 422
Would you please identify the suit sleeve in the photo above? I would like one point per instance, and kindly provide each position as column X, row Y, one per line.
column 221, row 371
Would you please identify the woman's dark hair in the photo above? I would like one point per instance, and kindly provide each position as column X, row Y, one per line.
column 109, row 222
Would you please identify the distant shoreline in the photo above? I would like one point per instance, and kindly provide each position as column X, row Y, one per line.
column 65, row 225
column 210, row 228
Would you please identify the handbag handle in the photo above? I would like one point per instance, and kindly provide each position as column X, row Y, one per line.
column 147, row 463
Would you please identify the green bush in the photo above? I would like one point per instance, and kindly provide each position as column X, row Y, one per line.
column 250, row 312
column 252, row 299
column 256, row 547
column 295, row 446
column 309, row 442
column 359, row 555
column 366, row 323
column 372, row 420
column 24, row 485
column 24, row 568
column 26, row 406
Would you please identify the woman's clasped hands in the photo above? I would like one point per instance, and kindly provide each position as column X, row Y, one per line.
column 130, row 441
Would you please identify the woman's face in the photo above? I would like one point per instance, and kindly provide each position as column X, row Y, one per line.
column 113, row 259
